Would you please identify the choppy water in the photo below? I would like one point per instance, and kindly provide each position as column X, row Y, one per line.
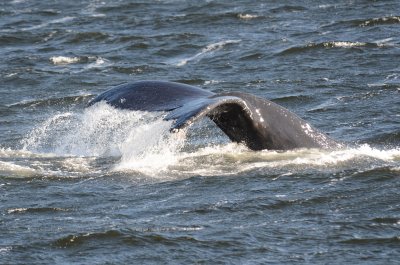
column 105, row 186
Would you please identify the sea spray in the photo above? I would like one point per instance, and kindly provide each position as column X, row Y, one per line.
column 100, row 130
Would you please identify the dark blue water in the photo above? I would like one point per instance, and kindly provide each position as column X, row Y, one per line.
column 104, row 186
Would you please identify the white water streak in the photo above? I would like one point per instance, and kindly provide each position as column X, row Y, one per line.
column 207, row 50
column 45, row 24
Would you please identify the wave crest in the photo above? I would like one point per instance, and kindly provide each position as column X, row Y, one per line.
column 330, row 45
column 206, row 50
column 380, row 21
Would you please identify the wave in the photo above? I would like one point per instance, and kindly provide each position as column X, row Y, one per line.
column 330, row 45
column 324, row 106
column 99, row 63
column 80, row 37
column 64, row 60
column 236, row 159
column 137, row 237
column 233, row 159
column 26, row 164
column 11, row 169
column 302, row 99
column 380, row 21
column 387, row 138
column 14, row 38
column 35, row 210
column 369, row 22
column 205, row 51
column 201, row 14
column 288, row 8
column 68, row 100
column 389, row 241
column 91, row 9
column 244, row 16
column 92, row 61
column 47, row 23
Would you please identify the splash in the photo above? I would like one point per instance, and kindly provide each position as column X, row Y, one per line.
column 103, row 140
column 140, row 141
column 97, row 131
column 154, row 156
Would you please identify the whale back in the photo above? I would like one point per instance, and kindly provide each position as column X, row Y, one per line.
column 244, row 118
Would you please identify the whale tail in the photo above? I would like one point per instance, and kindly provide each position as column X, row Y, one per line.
column 244, row 118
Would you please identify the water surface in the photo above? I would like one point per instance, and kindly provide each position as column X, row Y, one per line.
column 104, row 186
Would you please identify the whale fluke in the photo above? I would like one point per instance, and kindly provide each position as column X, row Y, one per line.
column 244, row 118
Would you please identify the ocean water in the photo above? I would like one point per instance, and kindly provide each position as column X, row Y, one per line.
column 105, row 186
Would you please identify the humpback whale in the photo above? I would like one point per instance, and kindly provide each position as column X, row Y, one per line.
column 244, row 118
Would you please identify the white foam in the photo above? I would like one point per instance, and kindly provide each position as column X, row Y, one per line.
column 325, row 6
column 17, row 210
column 93, row 61
column 232, row 159
column 11, row 169
column 247, row 16
column 63, row 60
column 77, row 164
column 344, row 44
column 4, row 250
column 211, row 82
column 11, row 74
column 30, row 164
column 383, row 19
